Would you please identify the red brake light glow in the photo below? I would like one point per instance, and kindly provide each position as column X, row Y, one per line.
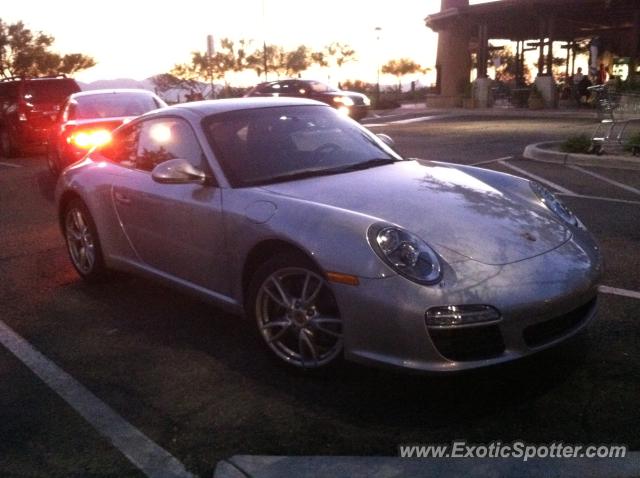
column 88, row 139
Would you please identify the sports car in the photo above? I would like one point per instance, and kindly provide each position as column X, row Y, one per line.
column 299, row 219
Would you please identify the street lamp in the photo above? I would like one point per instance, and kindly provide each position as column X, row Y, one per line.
column 378, row 30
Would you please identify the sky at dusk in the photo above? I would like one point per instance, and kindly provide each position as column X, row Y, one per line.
column 139, row 38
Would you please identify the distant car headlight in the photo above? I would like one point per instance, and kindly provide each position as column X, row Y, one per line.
column 554, row 204
column 405, row 253
column 366, row 101
column 343, row 100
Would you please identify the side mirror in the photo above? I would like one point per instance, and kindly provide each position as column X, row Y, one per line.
column 386, row 139
column 177, row 171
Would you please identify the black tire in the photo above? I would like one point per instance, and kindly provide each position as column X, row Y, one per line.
column 53, row 161
column 314, row 325
column 92, row 271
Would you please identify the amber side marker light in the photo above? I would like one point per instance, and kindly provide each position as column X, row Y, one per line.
column 340, row 278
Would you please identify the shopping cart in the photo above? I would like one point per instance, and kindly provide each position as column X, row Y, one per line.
column 619, row 116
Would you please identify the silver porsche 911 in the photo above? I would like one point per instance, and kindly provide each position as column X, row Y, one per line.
column 289, row 213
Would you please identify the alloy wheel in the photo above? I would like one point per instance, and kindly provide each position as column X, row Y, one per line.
column 80, row 241
column 298, row 317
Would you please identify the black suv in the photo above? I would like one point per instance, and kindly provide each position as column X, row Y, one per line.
column 354, row 104
column 28, row 108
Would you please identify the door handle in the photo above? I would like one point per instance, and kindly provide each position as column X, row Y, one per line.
column 121, row 198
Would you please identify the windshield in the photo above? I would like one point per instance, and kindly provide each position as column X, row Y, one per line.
column 259, row 146
column 113, row 105
column 319, row 87
column 49, row 90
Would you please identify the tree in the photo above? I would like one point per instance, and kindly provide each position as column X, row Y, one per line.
column 298, row 60
column 27, row 53
column 280, row 61
column 400, row 68
column 267, row 58
column 334, row 55
column 198, row 75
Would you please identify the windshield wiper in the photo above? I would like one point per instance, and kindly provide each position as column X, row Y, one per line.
column 289, row 177
column 309, row 173
column 363, row 165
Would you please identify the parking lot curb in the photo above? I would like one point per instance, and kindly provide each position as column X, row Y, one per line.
column 255, row 466
column 548, row 152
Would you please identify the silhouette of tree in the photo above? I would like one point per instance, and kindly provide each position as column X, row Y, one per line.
column 198, row 75
column 402, row 67
column 27, row 53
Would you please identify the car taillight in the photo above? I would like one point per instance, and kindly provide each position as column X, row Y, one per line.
column 87, row 139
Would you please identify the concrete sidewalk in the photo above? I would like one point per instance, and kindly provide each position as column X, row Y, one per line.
column 245, row 466
column 549, row 152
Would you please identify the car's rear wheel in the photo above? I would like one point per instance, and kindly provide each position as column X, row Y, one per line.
column 296, row 312
column 82, row 240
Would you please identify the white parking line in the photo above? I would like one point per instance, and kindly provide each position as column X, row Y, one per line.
column 555, row 186
column 11, row 165
column 407, row 121
column 415, row 120
column 604, row 178
column 615, row 291
column 489, row 161
column 146, row 455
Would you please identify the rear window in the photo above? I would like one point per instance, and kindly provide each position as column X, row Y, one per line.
column 113, row 105
column 49, row 90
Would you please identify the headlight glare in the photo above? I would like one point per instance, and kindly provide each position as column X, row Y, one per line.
column 554, row 204
column 406, row 253
column 344, row 100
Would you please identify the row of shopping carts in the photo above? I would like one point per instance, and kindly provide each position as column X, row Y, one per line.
column 619, row 116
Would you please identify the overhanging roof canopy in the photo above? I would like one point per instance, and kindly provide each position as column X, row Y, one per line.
column 518, row 19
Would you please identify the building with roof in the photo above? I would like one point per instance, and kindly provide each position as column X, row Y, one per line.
column 612, row 28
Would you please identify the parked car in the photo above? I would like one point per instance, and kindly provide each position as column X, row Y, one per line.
column 351, row 103
column 28, row 108
column 333, row 244
column 87, row 119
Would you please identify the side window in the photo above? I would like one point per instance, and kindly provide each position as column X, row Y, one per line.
column 164, row 139
column 123, row 146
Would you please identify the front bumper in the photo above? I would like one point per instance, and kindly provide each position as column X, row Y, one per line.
column 543, row 301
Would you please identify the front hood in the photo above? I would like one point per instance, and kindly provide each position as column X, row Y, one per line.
column 446, row 206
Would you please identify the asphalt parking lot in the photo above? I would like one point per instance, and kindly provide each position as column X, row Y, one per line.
column 194, row 380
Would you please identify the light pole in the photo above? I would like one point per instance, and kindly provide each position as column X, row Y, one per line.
column 378, row 30
column 210, row 53
column 264, row 41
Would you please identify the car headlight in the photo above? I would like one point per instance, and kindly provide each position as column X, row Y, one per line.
column 405, row 253
column 343, row 100
column 554, row 204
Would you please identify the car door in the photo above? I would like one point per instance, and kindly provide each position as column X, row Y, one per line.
column 175, row 229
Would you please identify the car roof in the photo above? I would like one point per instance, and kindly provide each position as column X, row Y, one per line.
column 111, row 92
column 210, row 107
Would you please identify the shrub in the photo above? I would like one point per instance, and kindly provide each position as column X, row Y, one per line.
column 632, row 144
column 576, row 144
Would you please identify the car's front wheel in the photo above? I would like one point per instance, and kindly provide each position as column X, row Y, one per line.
column 82, row 242
column 296, row 312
